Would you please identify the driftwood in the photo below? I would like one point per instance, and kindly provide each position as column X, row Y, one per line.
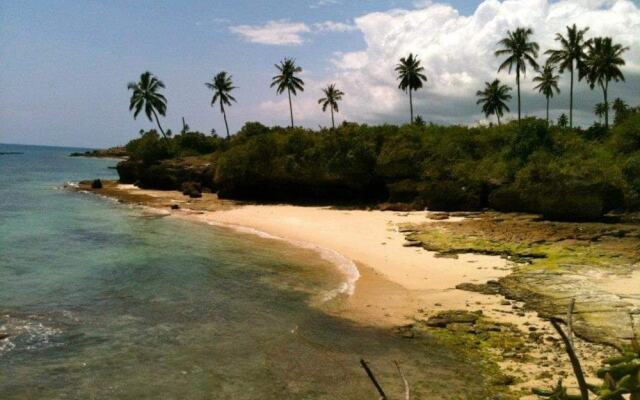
column 407, row 391
column 372, row 377
column 568, row 344
column 383, row 396
column 572, row 305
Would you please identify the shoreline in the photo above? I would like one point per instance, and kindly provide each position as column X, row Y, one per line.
column 396, row 285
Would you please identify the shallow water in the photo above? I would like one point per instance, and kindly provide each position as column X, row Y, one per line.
column 105, row 301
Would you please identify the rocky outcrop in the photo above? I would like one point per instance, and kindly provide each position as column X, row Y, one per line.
column 111, row 152
column 192, row 189
column 168, row 174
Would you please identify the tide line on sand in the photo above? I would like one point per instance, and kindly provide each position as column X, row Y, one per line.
column 344, row 264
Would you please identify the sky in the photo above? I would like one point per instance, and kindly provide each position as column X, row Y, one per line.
column 65, row 65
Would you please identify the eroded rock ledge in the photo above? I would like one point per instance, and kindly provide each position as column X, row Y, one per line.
column 598, row 264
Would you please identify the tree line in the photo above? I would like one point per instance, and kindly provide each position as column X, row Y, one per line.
column 597, row 60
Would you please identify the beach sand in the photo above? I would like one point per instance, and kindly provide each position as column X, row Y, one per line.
column 393, row 285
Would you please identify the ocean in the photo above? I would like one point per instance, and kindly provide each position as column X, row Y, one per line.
column 99, row 300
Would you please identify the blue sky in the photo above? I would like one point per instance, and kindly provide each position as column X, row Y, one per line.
column 64, row 65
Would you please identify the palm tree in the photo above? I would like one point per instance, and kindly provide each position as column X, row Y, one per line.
column 222, row 86
column 493, row 98
column 331, row 99
column 562, row 120
column 288, row 80
column 547, row 83
column 145, row 94
column 410, row 76
column 602, row 64
column 621, row 109
column 600, row 110
column 570, row 56
column 520, row 51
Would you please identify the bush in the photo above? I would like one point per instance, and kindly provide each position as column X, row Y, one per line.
column 626, row 135
column 149, row 148
column 194, row 143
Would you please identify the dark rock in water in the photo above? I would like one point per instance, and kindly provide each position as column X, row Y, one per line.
column 3, row 335
column 96, row 184
column 175, row 207
column 444, row 318
column 192, row 189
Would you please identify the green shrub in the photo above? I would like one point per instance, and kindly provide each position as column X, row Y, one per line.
column 149, row 148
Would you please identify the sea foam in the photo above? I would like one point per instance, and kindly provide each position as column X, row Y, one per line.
column 345, row 265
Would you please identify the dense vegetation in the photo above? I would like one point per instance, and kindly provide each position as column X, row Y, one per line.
column 559, row 172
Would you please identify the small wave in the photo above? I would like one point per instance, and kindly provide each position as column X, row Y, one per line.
column 345, row 265
column 30, row 335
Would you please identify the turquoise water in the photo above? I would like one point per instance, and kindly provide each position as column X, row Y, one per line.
column 103, row 301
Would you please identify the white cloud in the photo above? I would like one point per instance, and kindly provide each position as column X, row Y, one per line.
column 273, row 32
column 457, row 53
column 332, row 26
column 285, row 32
column 323, row 3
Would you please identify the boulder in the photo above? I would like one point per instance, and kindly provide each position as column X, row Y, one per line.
column 96, row 184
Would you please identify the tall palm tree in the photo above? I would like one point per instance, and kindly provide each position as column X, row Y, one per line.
column 570, row 56
column 520, row 51
column 287, row 79
column 146, row 94
column 493, row 98
column 602, row 64
column 332, row 96
column 600, row 110
column 411, row 76
column 222, row 86
column 547, row 83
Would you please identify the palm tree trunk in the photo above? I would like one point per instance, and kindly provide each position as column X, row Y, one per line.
column 498, row 115
column 333, row 124
column 411, row 104
column 518, row 84
column 547, row 110
column 571, row 99
column 606, row 106
column 224, row 115
column 158, row 122
column 290, row 107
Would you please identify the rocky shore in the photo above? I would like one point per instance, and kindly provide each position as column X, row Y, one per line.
column 478, row 282
column 597, row 264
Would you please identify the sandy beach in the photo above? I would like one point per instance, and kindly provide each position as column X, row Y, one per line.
column 387, row 283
